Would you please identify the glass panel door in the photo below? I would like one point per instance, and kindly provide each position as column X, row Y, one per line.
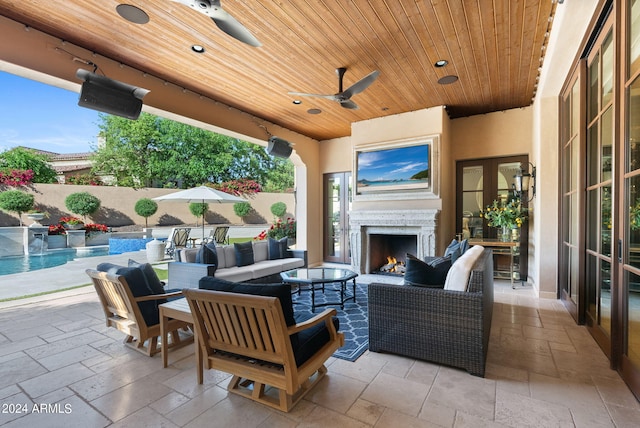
column 480, row 182
column 599, row 196
column 337, row 191
column 630, row 234
column 570, row 212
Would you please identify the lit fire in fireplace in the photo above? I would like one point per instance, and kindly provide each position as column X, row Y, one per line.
column 393, row 266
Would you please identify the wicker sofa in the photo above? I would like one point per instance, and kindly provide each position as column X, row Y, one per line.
column 185, row 273
column 433, row 324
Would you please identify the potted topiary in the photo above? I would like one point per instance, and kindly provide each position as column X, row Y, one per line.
column 242, row 209
column 82, row 203
column 16, row 201
column 146, row 207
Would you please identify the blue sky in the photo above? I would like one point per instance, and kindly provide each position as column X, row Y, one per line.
column 392, row 164
column 43, row 117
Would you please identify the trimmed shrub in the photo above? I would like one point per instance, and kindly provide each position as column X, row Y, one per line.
column 242, row 209
column 82, row 203
column 146, row 207
column 279, row 209
column 16, row 201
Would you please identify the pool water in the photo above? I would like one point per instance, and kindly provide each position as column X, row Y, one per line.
column 18, row 264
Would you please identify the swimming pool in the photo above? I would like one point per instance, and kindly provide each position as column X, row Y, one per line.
column 18, row 264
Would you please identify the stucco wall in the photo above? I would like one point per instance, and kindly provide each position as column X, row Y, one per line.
column 117, row 206
column 503, row 133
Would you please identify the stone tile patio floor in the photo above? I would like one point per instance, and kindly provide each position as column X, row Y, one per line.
column 60, row 366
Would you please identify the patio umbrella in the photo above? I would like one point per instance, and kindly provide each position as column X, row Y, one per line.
column 201, row 194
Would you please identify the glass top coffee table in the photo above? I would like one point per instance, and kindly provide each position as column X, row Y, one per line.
column 318, row 278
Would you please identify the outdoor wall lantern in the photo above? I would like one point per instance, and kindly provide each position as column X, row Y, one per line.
column 525, row 180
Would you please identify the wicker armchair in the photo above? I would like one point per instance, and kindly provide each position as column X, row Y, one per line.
column 443, row 326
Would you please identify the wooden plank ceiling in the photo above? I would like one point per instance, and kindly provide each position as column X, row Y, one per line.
column 494, row 47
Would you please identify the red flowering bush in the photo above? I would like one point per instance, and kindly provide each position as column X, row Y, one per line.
column 57, row 229
column 278, row 230
column 95, row 228
column 239, row 187
column 70, row 220
column 86, row 179
column 16, row 177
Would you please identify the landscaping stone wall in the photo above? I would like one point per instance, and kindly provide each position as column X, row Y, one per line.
column 117, row 207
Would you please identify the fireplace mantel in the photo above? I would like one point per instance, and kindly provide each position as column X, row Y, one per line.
column 363, row 223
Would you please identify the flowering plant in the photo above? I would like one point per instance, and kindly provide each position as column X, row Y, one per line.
column 16, row 177
column 279, row 229
column 57, row 229
column 94, row 229
column 509, row 215
column 70, row 220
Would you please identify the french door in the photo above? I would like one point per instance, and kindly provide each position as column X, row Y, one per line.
column 599, row 265
column 479, row 183
column 337, row 204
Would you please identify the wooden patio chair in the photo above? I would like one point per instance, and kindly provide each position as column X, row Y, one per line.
column 247, row 336
column 178, row 238
column 123, row 312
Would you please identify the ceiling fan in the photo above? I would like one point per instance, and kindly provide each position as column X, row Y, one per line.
column 223, row 20
column 344, row 97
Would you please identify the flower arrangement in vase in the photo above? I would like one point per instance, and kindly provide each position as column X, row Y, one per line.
column 506, row 216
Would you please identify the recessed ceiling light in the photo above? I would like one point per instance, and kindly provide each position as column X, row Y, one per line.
column 197, row 48
column 441, row 63
column 132, row 13
column 314, row 111
column 297, row 102
column 447, row 79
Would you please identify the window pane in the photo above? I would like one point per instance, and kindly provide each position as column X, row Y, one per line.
column 594, row 87
column 634, row 36
column 592, row 155
column 634, row 126
column 607, row 70
column 575, row 108
column 605, row 224
column 605, row 296
column 592, row 215
column 472, row 178
column 606, row 140
column 633, row 195
column 633, row 338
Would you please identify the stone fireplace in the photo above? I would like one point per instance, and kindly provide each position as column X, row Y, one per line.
column 374, row 233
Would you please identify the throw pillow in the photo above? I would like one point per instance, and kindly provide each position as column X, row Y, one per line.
column 421, row 274
column 453, row 250
column 277, row 248
column 281, row 291
column 464, row 246
column 458, row 278
column 207, row 254
column 138, row 286
column 153, row 282
column 244, row 253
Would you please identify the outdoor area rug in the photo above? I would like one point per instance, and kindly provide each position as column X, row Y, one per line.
column 353, row 318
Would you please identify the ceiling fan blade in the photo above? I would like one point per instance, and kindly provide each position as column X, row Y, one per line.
column 349, row 104
column 222, row 19
column 232, row 27
column 360, row 85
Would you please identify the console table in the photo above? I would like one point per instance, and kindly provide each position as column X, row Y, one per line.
column 508, row 248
